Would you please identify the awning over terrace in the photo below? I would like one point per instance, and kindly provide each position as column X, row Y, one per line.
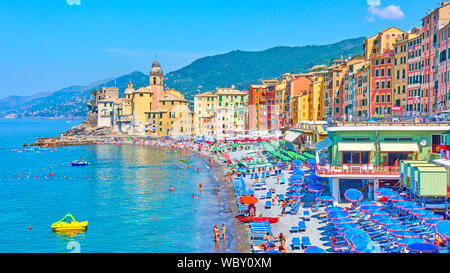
column 399, row 147
column 292, row 136
column 356, row 146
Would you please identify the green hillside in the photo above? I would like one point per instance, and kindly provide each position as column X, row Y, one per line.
column 238, row 68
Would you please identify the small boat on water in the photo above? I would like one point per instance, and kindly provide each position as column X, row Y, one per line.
column 73, row 225
column 78, row 163
column 248, row 219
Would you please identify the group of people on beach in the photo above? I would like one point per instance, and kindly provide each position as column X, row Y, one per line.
column 269, row 243
column 217, row 232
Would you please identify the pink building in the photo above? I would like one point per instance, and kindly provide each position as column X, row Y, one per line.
column 414, row 76
column 443, row 70
column 431, row 24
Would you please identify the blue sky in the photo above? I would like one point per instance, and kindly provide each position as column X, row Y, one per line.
column 46, row 45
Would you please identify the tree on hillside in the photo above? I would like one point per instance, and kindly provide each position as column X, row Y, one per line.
column 94, row 93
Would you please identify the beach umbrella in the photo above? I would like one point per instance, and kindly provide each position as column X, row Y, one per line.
column 296, row 183
column 248, row 200
column 387, row 221
column 352, row 232
column 294, row 195
column 375, row 218
column 316, row 187
column 395, row 227
column 422, row 248
column 272, row 251
column 326, row 198
column 413, row 207
column 298, row 172
column 346, row 226
column 332, row 209
column 443, row 229
column 377, row 212
column 388, row 194
column 314, row 177
column 343, row 221
column 361, row 240
column 431, row 222
column 297, row 162
column 404, row 203
column 338, row 215
column 369, row 208
column 314, row 249
column 296, row 178
column 353, row 195
column 397, row 199
column 367, row 203
column 405, row 234
column 369, row 249
column 419, row 212
column 294, row 188
column 430, row 216
column 408, row 241
column 383, row 189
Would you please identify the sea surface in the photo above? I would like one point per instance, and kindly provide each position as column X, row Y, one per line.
column 124, row 195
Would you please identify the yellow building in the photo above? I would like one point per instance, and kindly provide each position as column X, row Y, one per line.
column 316, row 108
column 172, row 118
column 221, row 114
column 400, row 76
column 204, row 114
column 380, row 42
column 300, row 108
column 282, row 91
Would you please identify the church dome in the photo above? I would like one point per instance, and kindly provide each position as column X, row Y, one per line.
column 130, row 89
column 156, row 64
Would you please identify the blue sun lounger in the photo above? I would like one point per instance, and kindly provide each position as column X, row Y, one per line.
column 296, row 243
column 306, row 215
column 269, row 195
column 259, row 224
column 306, row 242
column 268, row 205
column 301, row 226
column 294, row 229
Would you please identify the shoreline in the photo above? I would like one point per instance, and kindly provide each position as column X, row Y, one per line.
column 241, row 232
column 218, row 170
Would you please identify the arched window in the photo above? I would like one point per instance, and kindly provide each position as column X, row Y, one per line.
column 154, row 80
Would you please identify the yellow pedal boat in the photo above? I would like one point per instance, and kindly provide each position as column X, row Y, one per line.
column 73, row 225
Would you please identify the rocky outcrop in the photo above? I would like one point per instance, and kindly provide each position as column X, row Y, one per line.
column 86, row 129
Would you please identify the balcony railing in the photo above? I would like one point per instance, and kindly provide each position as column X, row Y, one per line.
column 357, row 169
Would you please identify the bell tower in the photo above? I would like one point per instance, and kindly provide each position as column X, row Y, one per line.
column 156, row 83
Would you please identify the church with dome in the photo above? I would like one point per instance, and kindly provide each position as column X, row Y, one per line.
column 147, row 111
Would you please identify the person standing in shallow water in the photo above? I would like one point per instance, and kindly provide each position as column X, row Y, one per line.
column 216, row 232
column 224, row 229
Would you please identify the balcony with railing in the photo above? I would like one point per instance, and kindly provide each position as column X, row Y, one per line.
column 362, row 170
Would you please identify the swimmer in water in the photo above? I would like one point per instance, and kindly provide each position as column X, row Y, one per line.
column 198, row 197
column 171, row 189
column 200, row 186
column 218, row 189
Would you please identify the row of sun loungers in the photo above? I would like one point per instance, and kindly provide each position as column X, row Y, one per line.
column 303, row 243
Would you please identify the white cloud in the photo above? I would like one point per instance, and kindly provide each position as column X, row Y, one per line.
column 374, row 2
column 73, row 2
column 390, row 12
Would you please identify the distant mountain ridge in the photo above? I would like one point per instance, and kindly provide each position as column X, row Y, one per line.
column 238, row 68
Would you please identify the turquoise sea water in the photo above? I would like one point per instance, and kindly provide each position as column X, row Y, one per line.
column 123, row 194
